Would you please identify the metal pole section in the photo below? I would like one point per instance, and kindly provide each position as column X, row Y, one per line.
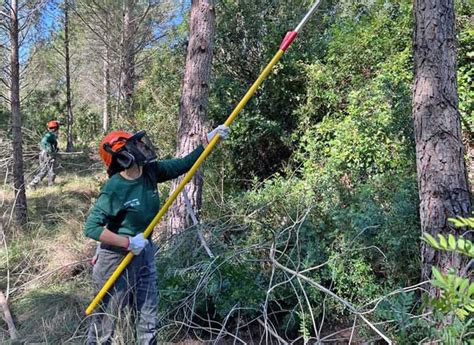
column 290, row 36
column 306, row 17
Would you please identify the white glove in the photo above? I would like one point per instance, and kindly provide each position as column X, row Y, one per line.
column 137, row 243
column 222, row 130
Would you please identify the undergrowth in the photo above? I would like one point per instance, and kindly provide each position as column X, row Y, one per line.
column 261, row 241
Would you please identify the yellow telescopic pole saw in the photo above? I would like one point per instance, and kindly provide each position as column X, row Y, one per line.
column 289, row 37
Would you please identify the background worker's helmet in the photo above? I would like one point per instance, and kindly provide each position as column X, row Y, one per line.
column 120, row 150
column 53, row 124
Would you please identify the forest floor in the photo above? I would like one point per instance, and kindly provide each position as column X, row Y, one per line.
column 45, row 266
column 45, row 269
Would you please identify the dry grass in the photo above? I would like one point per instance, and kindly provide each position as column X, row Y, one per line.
column 45, row 269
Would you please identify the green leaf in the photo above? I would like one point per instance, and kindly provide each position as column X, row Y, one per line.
column 470, row 292
column 442, row 241
column 450, row 279
column 462, row 222
column 437, row 304
column 458, row 223
column 442, row 285
column 457, row 282
column 464, row 285
column 461, row 313
column 438, row 275
column 430, row 240
column 469, row 307
column 452, row 242
column 461, row 243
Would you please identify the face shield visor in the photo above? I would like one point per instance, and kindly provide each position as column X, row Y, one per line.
column 141, row 148
column 137, row 149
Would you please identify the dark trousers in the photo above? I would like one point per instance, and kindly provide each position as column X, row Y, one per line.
column 136, row 287
column 47, row 162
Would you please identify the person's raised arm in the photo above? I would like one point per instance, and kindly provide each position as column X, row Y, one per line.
column 172, row 168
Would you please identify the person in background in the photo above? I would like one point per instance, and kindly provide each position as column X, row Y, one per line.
column 127, row 203
column 47, row 156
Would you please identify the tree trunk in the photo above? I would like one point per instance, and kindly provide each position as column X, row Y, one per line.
column 106, row 89
column 193, row 104
column 70, row 119
column 18, row 177
column 128, row 60
column 442, row 179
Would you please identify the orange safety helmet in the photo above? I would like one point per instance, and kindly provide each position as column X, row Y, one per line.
column 53, row 124
column 115, row 141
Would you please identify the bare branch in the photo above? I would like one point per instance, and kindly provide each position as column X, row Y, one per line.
column 329, row 292
column 4, row 14
column 5, row 98
column 4, row 82
column 95, row 32
column 8, row 317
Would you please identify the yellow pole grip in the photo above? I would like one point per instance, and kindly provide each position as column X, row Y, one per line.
column 110, row 282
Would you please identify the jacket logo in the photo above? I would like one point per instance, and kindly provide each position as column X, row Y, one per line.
column 131, row 203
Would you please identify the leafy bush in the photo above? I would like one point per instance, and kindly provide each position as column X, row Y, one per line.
column 346, row 205
column 465, row 72
column 157, row 97
column 246, row 39
column 454, row 307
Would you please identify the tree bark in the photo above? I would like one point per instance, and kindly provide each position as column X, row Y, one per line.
column 193, row 104
column 70, row 119
column 106, row 90
column 442, row 179
column 20, row 207
column 128, row 59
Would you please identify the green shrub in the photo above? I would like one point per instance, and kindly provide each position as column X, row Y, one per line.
column 454, row 307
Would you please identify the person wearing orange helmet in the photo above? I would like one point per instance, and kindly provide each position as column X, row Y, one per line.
column 126, row 205
column 49, row 148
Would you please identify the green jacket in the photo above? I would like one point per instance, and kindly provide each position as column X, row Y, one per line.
column 49, row 142
column 126, row 207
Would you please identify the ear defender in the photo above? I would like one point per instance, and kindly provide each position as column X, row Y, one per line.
column 123, row 158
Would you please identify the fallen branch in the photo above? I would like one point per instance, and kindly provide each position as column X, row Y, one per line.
column 7, row 316
column 330, row 337
column 196, row 223
column 272, row 332
column 329, row 292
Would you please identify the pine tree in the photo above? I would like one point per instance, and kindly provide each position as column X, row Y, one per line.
column 442, row 179
column 193, row 104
